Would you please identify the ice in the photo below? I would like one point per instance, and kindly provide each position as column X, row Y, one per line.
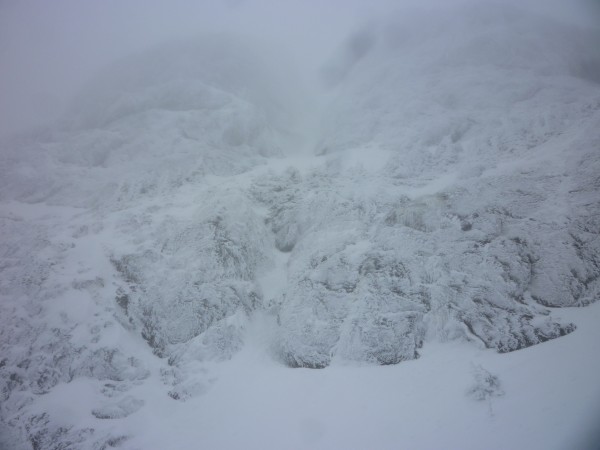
column 191, row 239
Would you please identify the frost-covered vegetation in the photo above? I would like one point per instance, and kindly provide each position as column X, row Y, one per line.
column 459, row 194
column 452, row 196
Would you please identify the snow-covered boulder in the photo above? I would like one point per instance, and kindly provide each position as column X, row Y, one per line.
column 459, row 195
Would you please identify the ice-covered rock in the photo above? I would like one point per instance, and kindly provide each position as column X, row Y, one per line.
column 459, row 195
column 116, row 227
column 123, row 408
column 454, row 196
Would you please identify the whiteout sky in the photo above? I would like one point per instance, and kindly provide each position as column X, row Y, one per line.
column 460, row 152
column 49, row 49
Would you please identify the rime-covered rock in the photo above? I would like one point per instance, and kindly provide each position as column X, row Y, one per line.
column 454, row 196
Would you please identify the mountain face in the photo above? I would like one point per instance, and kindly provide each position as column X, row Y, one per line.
column 461, row 192
column 453, row 195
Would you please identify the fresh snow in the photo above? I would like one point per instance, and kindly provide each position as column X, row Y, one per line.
column 551, row 401
column 195, row 238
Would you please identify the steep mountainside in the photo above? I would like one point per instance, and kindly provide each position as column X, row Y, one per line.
column 454, row 195
column 460, row 193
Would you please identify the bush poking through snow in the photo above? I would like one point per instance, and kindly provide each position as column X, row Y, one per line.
column 485, row 385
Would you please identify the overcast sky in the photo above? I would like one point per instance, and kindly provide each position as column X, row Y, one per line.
column 49, row 49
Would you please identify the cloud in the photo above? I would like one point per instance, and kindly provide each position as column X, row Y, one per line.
column 48, row 50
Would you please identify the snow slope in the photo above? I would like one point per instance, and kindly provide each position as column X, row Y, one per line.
column 168, row 255
column 549, row 398
column 460, row 192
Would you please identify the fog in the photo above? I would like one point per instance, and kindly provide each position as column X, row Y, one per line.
column 200, row 200
column 49, row 50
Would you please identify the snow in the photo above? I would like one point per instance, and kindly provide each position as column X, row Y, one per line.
column 195, row 238
column 551, row 401
column 274, row 281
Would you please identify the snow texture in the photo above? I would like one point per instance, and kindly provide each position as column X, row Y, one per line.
column 453, row 197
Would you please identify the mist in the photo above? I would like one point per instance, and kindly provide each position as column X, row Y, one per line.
column 50, row 50
column 299, row 224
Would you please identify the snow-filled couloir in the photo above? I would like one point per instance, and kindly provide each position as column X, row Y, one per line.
column 452, row 194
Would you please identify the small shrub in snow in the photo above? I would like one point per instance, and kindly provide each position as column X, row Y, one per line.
column 485, row 385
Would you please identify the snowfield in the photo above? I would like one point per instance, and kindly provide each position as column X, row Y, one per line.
column 195, row 236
